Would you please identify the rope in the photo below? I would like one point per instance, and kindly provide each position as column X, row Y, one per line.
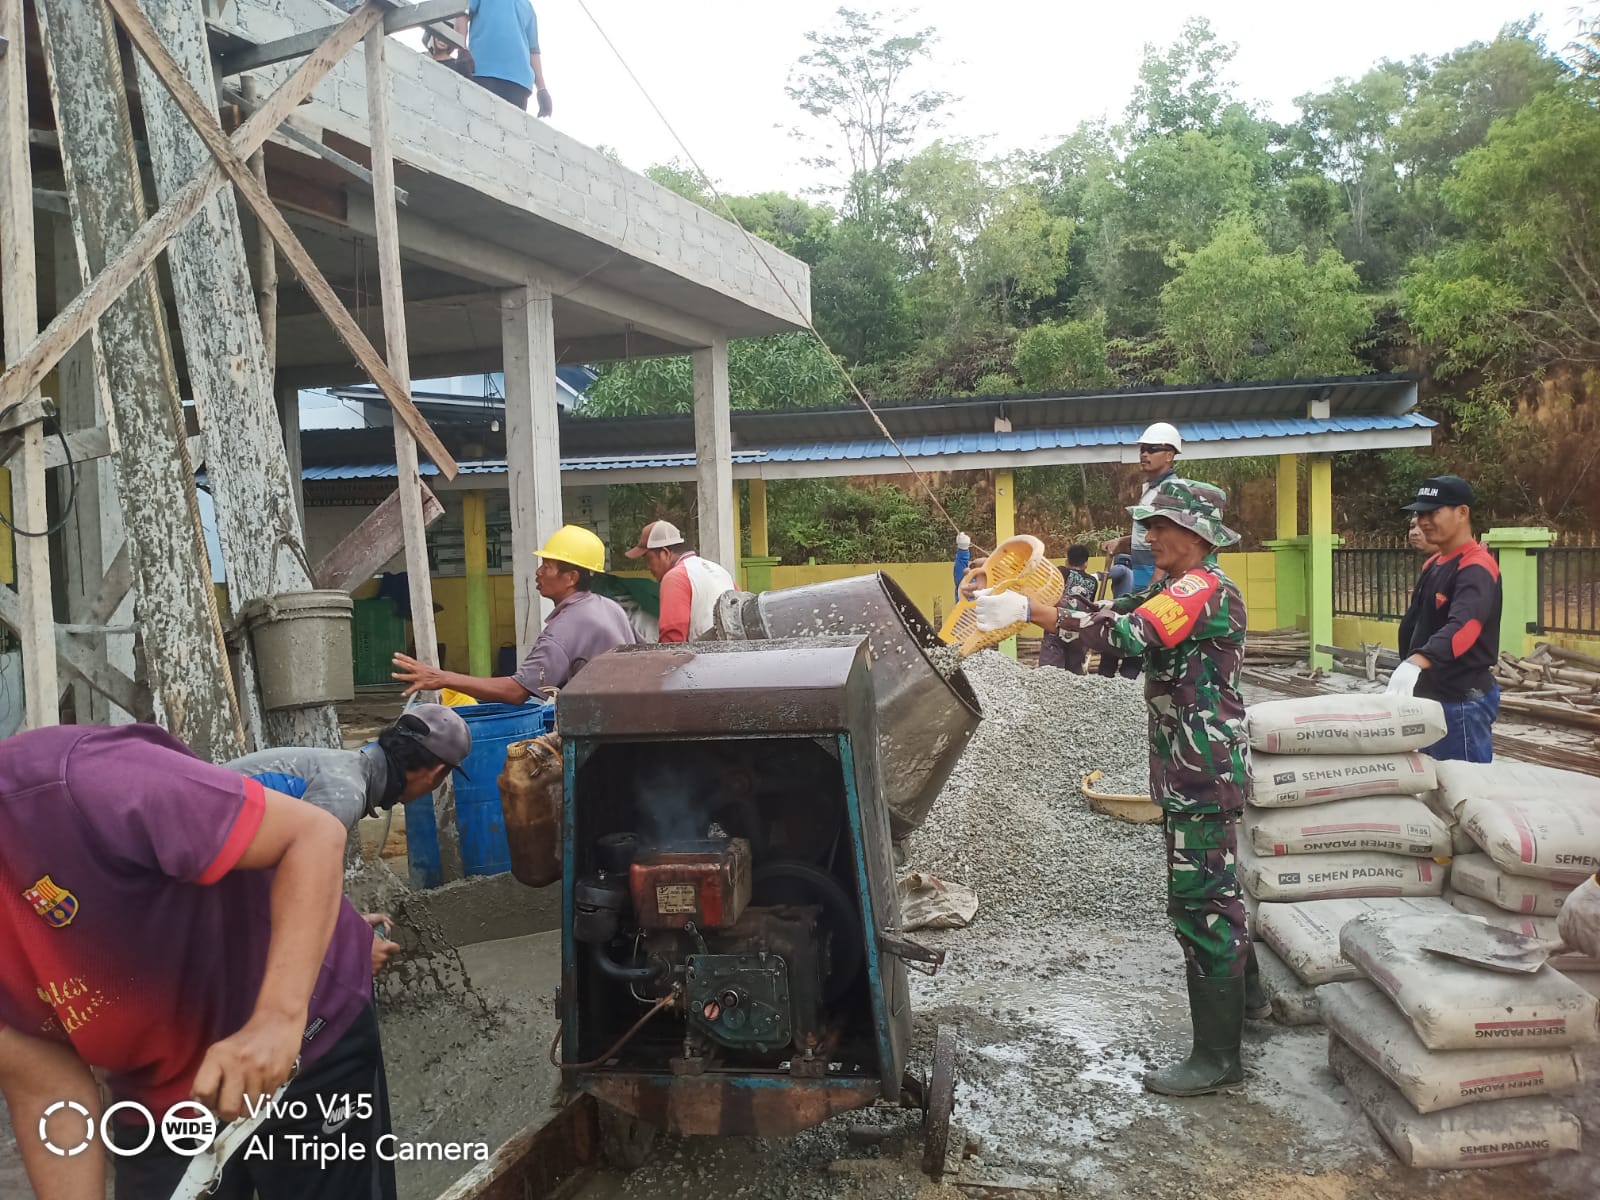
column 755, row 248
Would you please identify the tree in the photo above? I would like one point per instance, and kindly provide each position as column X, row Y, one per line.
column 1522, row 291
column 1181, row 89
column 856, row 82
column 1065, row 355
column 787, row 370
column 858, row 299
column 1236, row 311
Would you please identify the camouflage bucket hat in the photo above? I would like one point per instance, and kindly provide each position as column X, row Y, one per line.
column 1195, row 506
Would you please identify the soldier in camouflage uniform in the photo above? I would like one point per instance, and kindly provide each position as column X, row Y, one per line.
column 1190, row 628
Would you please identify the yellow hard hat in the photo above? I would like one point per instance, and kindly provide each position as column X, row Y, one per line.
column 576, row 545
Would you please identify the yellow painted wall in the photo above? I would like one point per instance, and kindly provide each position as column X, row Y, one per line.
column 1352, row 632
column 8, row 561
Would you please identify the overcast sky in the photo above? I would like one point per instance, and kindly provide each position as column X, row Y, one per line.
column 1026, row 71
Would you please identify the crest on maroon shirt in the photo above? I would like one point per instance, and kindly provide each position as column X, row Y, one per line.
column 1440, row 599
column 55, row 904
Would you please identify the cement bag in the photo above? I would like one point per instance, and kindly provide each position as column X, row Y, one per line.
column 1507, row 780
column 1364, row 1019
column 1293, row 1003
column 1479, row 1135
column 1349, row 723
column 1334, row 876
column 1306, row 935
column 1454, row 1006
column 1549, row 835
column 928, row 902
column 1290, row 780
column 1388, row 824
column 1543, row 928
column 1476, row 875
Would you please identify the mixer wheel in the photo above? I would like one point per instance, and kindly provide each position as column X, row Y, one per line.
column 941, row 1099
column 625, row 1140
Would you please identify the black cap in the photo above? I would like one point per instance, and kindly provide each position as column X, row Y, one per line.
column 1442, row 491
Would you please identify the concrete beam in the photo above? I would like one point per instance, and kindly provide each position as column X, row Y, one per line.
column 533, row 454
column 438, row 246
column 399, row 17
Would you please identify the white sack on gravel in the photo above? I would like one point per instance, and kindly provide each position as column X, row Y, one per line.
column 1477, row 875
column 1354, row 723
column 1290, row 780
column 1455, row 1006
column 1335, row 876
column 1387, row 824
column 1306, row 934
column 1543, row 928
column 1438, row 1079
column 1293, row 1002
column 1479, row 1135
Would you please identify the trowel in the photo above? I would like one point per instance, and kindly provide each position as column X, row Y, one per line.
column 1469, row 940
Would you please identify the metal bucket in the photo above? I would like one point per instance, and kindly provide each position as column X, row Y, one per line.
column 302, row 647
column 924, row 718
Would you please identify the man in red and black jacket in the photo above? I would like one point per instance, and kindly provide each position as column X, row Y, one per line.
column 1450, row 636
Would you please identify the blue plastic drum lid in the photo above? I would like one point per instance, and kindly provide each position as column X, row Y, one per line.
column 479, row 819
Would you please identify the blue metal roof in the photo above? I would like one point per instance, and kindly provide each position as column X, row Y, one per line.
column 1021, row 441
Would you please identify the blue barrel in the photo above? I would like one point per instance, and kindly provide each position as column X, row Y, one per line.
column 479, row 820
column 422, row 844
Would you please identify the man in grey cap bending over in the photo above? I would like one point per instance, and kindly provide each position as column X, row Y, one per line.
column 411, row 758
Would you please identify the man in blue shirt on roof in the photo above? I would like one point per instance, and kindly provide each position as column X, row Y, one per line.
column 504, row 39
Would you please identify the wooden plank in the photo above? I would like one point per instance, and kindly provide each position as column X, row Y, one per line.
column 293, row 46
column 533, row 456
column 548, row 1159
column 19, row 302
column 363, row 551
column 229, row 371
column 180, row 631
column 138, row 251
column 424, row 630
column 149, row 44
column 79, row 659
column 266, row 252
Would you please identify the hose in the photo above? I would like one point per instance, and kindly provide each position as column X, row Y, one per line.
column 618, row 1045
column 628, row 975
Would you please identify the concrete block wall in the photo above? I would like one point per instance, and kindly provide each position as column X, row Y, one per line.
column 451, row 127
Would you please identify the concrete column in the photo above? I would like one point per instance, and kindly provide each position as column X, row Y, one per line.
column 288, row 402
column 1519, row 584
column 1288, row 495
column 533, row 448
column 1319, row 575
column 1005, row 526
column 758, row 519
column 713, row 447
column 480, row 655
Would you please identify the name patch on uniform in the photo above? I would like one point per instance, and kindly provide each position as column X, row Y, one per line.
column 55, row 904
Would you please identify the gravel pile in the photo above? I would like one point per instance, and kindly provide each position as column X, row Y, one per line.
column 1011, row 823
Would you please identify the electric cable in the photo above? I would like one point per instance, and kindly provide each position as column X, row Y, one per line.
column 844, row 371
column 72, row 491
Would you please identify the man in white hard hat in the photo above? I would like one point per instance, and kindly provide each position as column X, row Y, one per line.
column 690, row 585
column 1159, row 447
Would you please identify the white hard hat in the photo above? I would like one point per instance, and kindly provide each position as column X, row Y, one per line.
column 1162, row 434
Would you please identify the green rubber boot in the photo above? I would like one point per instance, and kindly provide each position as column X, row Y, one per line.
column 1216, row 1007
column 1257, row 1005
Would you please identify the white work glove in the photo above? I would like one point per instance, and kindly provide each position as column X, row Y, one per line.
column 1579, row 919
column 963, row 542
column 1404, row 680
column 996, row 610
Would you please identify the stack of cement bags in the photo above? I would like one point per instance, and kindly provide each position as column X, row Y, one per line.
column 1455, row 1064
column 1526, row 836
column 1337, row 826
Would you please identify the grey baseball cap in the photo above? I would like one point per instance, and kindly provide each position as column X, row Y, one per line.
column 440, row 729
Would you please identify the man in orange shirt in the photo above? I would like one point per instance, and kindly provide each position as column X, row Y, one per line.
column 690, row 585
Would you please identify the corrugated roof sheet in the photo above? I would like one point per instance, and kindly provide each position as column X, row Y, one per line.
column 1021, row 441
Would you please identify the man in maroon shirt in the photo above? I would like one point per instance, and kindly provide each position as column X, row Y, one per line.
column 183, row 929
column 1450, row 636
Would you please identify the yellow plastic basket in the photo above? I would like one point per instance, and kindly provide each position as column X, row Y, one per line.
column 1017, row 565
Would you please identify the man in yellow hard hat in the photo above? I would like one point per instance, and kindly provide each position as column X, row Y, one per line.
column 581, row 626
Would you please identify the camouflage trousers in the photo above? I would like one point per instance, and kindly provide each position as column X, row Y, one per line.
column 1204, row 898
